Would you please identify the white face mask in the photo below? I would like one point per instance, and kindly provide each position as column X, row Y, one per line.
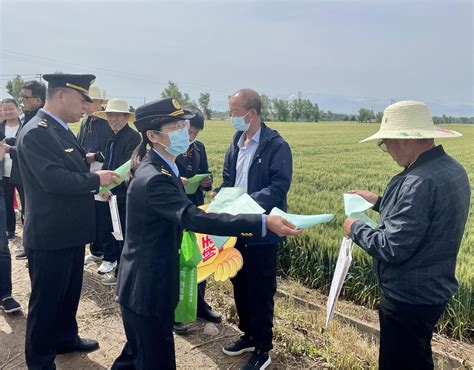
column 239, row 123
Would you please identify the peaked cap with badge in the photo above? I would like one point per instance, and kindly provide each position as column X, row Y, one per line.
column 80, row 83
column 153, row 115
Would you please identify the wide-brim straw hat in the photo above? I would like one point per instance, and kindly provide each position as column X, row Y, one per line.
column 96, row 94
column 116, row 106
column 409, row 119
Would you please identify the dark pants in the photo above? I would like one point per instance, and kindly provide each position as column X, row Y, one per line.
column 201, row 297
column 9, row 194
column 254, row 288
column 56, row 283
column 150, row 343
column 102, row 232
column 21, row 193
column 5, row 258
column 405, row 335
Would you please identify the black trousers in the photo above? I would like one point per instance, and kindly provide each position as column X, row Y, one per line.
column 405, row 334
column 103, row 232
column 21, row 193
column 9, row 194
column 254, row 288
column 56, row 283
column 201, row 297
column 150, row 342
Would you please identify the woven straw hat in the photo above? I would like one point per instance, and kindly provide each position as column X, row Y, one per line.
column 116, row 106
column 409, row 119
column 96, row 94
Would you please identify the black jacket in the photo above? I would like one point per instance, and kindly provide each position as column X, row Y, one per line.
column 104, row 132
column 194, row 162
column 423, row 212
column 58, row 186
column 119, row 150
column 157, row 212
column 269, row 177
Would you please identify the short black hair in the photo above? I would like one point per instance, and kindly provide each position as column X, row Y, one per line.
column 198, row 120
column 10, row 100
column 37, row 88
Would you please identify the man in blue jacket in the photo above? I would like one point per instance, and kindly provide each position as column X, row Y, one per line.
column 260, row 161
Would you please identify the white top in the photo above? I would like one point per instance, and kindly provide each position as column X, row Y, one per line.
column 10, row 131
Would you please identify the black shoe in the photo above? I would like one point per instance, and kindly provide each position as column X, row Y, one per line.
column 210, row 315
column 241, row 345
column 259, row 360
column 180, row 328
column 9, row 305
column 10, row 234
column 79, row 345
column 21, row 256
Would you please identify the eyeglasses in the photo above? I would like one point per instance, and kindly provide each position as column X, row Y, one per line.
column 382, row 145
column 179, row 125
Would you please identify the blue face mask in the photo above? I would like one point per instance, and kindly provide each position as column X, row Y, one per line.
column 179, row 142
column 239, row 123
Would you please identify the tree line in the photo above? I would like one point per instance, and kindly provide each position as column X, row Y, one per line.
column 282, row 110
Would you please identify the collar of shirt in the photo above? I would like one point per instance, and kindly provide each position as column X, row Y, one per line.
column 172, row 165
column 255, row 138
column 61, row 122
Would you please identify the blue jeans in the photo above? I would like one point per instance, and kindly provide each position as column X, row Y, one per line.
column 5, row 258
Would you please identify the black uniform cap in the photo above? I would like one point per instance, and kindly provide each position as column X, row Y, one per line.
column 153, row 115
column 80, row 83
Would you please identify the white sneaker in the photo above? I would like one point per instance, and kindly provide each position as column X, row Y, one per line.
column 106, row 267
column 91, row 258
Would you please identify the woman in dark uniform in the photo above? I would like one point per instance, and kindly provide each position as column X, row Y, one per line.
column 157, row 212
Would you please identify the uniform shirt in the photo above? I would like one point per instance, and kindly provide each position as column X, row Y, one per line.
column 423, row 212
column 244, row 159
column 172, row 165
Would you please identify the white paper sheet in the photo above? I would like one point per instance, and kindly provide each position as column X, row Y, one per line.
column 114, row 213
column 95, row 166
column 342, row 267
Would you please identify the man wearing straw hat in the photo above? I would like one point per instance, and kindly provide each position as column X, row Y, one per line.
column 59, row 219
column 118, row 150
column 423, row 212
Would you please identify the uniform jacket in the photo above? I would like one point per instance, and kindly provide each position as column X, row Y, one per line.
column 269, row 177
column 194, row 162
column 58, row 186
column 157, row 212
column 423, row 212
column 104, row 132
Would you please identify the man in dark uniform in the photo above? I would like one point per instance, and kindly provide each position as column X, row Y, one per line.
column 59, row 219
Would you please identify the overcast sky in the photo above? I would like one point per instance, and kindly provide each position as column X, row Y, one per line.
column 341, row 54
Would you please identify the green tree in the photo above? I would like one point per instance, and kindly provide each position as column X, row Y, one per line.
column 281, row 109
column 365, row 115
column 204, row 100
column 13, row 87
column 378, row 117
column 307, row 110
column 296, row 108
column 172, row 91
column 265, row 115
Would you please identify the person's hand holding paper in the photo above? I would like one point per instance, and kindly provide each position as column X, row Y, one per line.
column 120, row 175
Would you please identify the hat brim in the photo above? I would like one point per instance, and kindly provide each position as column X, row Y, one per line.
column 86, row 96
column 436, row 133
column 103, row 114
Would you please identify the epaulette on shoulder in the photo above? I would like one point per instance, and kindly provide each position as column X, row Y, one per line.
column 43, row 123
column 164, row 171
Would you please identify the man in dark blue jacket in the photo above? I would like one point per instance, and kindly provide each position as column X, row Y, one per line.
column 260, row 161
